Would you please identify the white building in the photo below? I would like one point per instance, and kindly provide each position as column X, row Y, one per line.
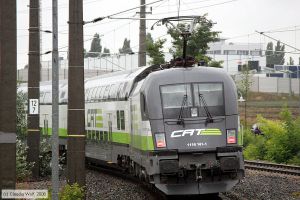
column 234, row 54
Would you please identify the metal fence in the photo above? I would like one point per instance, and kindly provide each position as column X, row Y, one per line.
column 274, row 85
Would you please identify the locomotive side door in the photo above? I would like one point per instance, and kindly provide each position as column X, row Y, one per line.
column 109, row 137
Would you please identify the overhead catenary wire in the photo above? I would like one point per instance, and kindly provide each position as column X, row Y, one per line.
column 120, row 12
column 211, row 5
column 262, row 33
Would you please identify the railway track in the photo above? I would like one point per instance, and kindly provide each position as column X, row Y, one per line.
column 272, row 167
column 113, row 170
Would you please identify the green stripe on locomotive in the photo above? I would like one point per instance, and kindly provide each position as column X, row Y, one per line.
column 144, row 143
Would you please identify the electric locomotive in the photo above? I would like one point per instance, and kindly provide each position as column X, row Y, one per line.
column 176, row 127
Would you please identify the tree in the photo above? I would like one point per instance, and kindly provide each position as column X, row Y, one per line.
column 245, row 82
column 291, row 62
column 217, row 64
column 95, row 47
column 106, row 52
column 126, row 49
column 154, row 49
column 269, row 55
column 197, row 44
column 279, row 54
column 275, row 57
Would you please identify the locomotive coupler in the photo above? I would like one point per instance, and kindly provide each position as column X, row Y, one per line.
column 198, row 172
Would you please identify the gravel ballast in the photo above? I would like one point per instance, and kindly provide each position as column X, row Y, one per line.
column 256, row 185
column 264, row 186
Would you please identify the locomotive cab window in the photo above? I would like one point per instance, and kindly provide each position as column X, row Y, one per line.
column 210, row 94
column 175, row 98
column 191, row 100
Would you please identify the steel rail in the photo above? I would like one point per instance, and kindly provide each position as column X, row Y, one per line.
column 113, row 170
column 273, row 167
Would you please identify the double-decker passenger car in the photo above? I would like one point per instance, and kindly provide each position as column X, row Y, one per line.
column 176, row 127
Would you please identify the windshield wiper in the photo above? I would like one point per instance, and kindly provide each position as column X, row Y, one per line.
column 180, row 120
column 209, row 118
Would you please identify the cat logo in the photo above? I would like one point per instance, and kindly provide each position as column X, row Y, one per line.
column 191, row 132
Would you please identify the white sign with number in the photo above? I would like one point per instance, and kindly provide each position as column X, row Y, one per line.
column 33, row 106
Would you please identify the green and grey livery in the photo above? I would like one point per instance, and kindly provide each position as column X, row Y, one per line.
column 176, row 128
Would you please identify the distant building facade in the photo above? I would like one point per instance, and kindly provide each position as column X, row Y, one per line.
column 235, row 54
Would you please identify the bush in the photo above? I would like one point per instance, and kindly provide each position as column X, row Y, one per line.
column 280, row 142
column 72, row 192
column 256, row 149
column 23, row 168
column 69, row 192
column 21, row 126
column 45, row 158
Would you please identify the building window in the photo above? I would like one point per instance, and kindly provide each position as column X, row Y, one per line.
column 255, row 53
column 242, row 52
column 120, row 120
column 229, row 52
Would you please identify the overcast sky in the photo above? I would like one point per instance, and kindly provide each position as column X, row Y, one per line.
column 236, row 19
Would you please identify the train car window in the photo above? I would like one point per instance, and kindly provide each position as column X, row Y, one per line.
column 101, row 135
column 94, row 93
column 119, row 90
column 122, row 119
column 174, row 98
column 101, row 92
column 144, row 107
column 112, row 92
column 93, row 98
column 98, row 92
column 105, row 136
column 106, row 91
column 124, row 91
column 98, row 136
column 118, row 120
column 91, row 95
column 213, row 96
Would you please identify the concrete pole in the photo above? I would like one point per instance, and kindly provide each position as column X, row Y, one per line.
column 142, row 36
column 8, row 71
column 55, row 99
column 76, row 129
column 33, row 128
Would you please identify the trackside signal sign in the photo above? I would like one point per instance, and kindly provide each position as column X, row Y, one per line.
column 33, row 106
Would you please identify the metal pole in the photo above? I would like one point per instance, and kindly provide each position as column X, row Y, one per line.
column 245, row 114
column 8, row 70
column 227, row 61
column 76, row 112
column 33, row 128
column 142, row 36
column 184, row 36
column 55, row 109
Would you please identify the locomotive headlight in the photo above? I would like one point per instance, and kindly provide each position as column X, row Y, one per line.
column 194, row 112
column 160, row 140
column 231, row 136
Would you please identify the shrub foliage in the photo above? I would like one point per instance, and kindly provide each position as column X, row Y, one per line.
column 279, row 143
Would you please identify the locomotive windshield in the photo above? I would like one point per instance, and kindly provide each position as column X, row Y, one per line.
column 173, row 95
